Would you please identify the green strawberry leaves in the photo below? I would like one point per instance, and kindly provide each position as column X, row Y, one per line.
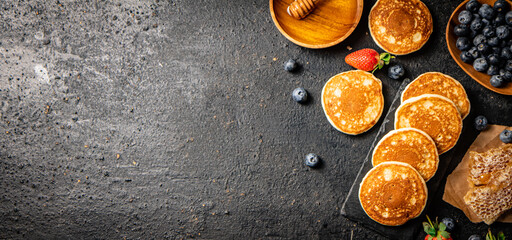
column 489, row 236
column 436, row 229
column 384, row 59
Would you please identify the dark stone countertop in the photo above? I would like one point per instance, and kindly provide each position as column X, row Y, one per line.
column 173, row 119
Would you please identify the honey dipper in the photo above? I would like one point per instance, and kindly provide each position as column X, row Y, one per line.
column 299, row 9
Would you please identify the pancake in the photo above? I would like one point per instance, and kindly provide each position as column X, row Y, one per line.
column 353, row 101
column 435, row 115
column 441, row 84
column 400, row 26
column 411, row 146
column 392, row 193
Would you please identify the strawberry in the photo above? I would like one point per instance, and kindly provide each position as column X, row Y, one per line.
column 435, row 231
column 500, row 236
column 368, row 59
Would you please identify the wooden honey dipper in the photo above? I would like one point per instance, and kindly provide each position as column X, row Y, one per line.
column 299, row 9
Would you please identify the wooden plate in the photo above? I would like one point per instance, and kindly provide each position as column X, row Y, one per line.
column 331, row 22
column 451, row 38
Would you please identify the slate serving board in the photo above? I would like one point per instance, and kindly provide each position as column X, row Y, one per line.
column 352, row 209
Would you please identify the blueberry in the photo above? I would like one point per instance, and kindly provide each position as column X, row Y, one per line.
column 508, row 65
column 506, row 53
column 488, row 32
column 493, row 59
column 465, row 17
column 461, row 30
column 497, row 81
column 474, row 52
column 480, row 123
column 466, row 57
column 502, row 32
column 312, row 160
column 493, row 70
column 483, row 48
column 506, row 136
column 472, row 34
column 506, row 75
column 475, row 237
column 508, row 18
column 473, row 6
column 486, row 23
column 396, row 71
column 496, row 50
column 463, row 43
column 499, row 20
column 300, row 95
column 290, row 65
column 450, row 224
column 476, row 25
column 480, row 64
column 493, row 42
column 501, row 6
column 480, row 38
column 487, row 11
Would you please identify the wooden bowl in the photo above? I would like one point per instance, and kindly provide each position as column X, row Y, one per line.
column 451, row 38
column 331, row 22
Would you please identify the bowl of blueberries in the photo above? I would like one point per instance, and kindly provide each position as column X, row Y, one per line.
column 479, row 38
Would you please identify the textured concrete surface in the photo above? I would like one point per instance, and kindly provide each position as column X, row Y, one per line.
column 173, row 119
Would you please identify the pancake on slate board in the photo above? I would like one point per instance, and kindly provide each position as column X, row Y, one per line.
column 435, row 115
column 441, row 84
column 353, row 101
column 400, row 26
column 392, row 193
column 408, row 145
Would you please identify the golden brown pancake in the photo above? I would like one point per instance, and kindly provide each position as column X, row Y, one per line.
column 435, row 115
column 441, row 84
column 411, row 146
column 400, row 26
column 353, row 101
column 392, row 193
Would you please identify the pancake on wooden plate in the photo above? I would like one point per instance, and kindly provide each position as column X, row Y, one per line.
column 411, row 146
column 400, row 26
column 435, row 115
column 353, row 101
column 441, row 84
column 392, row 193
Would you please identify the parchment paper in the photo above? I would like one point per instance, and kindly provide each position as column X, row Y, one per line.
column 457, row 184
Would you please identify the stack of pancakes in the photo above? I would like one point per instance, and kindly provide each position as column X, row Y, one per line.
column 427, row 123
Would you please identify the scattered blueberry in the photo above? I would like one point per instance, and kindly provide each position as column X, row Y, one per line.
column 397, row 71
column 488, row 32
column 463, row 43
column 501, row 6
column 450, row 223
column 506, row 136
column 480, row 64
column 290, row 65
column 461, row 30
column 480, row 38
column 483, row 48
column 466, row 57
column 508, row 18
column 508, row 65
column 487, row 11
column 465, row 17
column 493, row 70
column 312, row 160
column 502, row 32
column 476, row 25
column 473, row 6
column 475, row 237
column 300, row 95
column 493, row 59
column 497, row 81
column 480, row 123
